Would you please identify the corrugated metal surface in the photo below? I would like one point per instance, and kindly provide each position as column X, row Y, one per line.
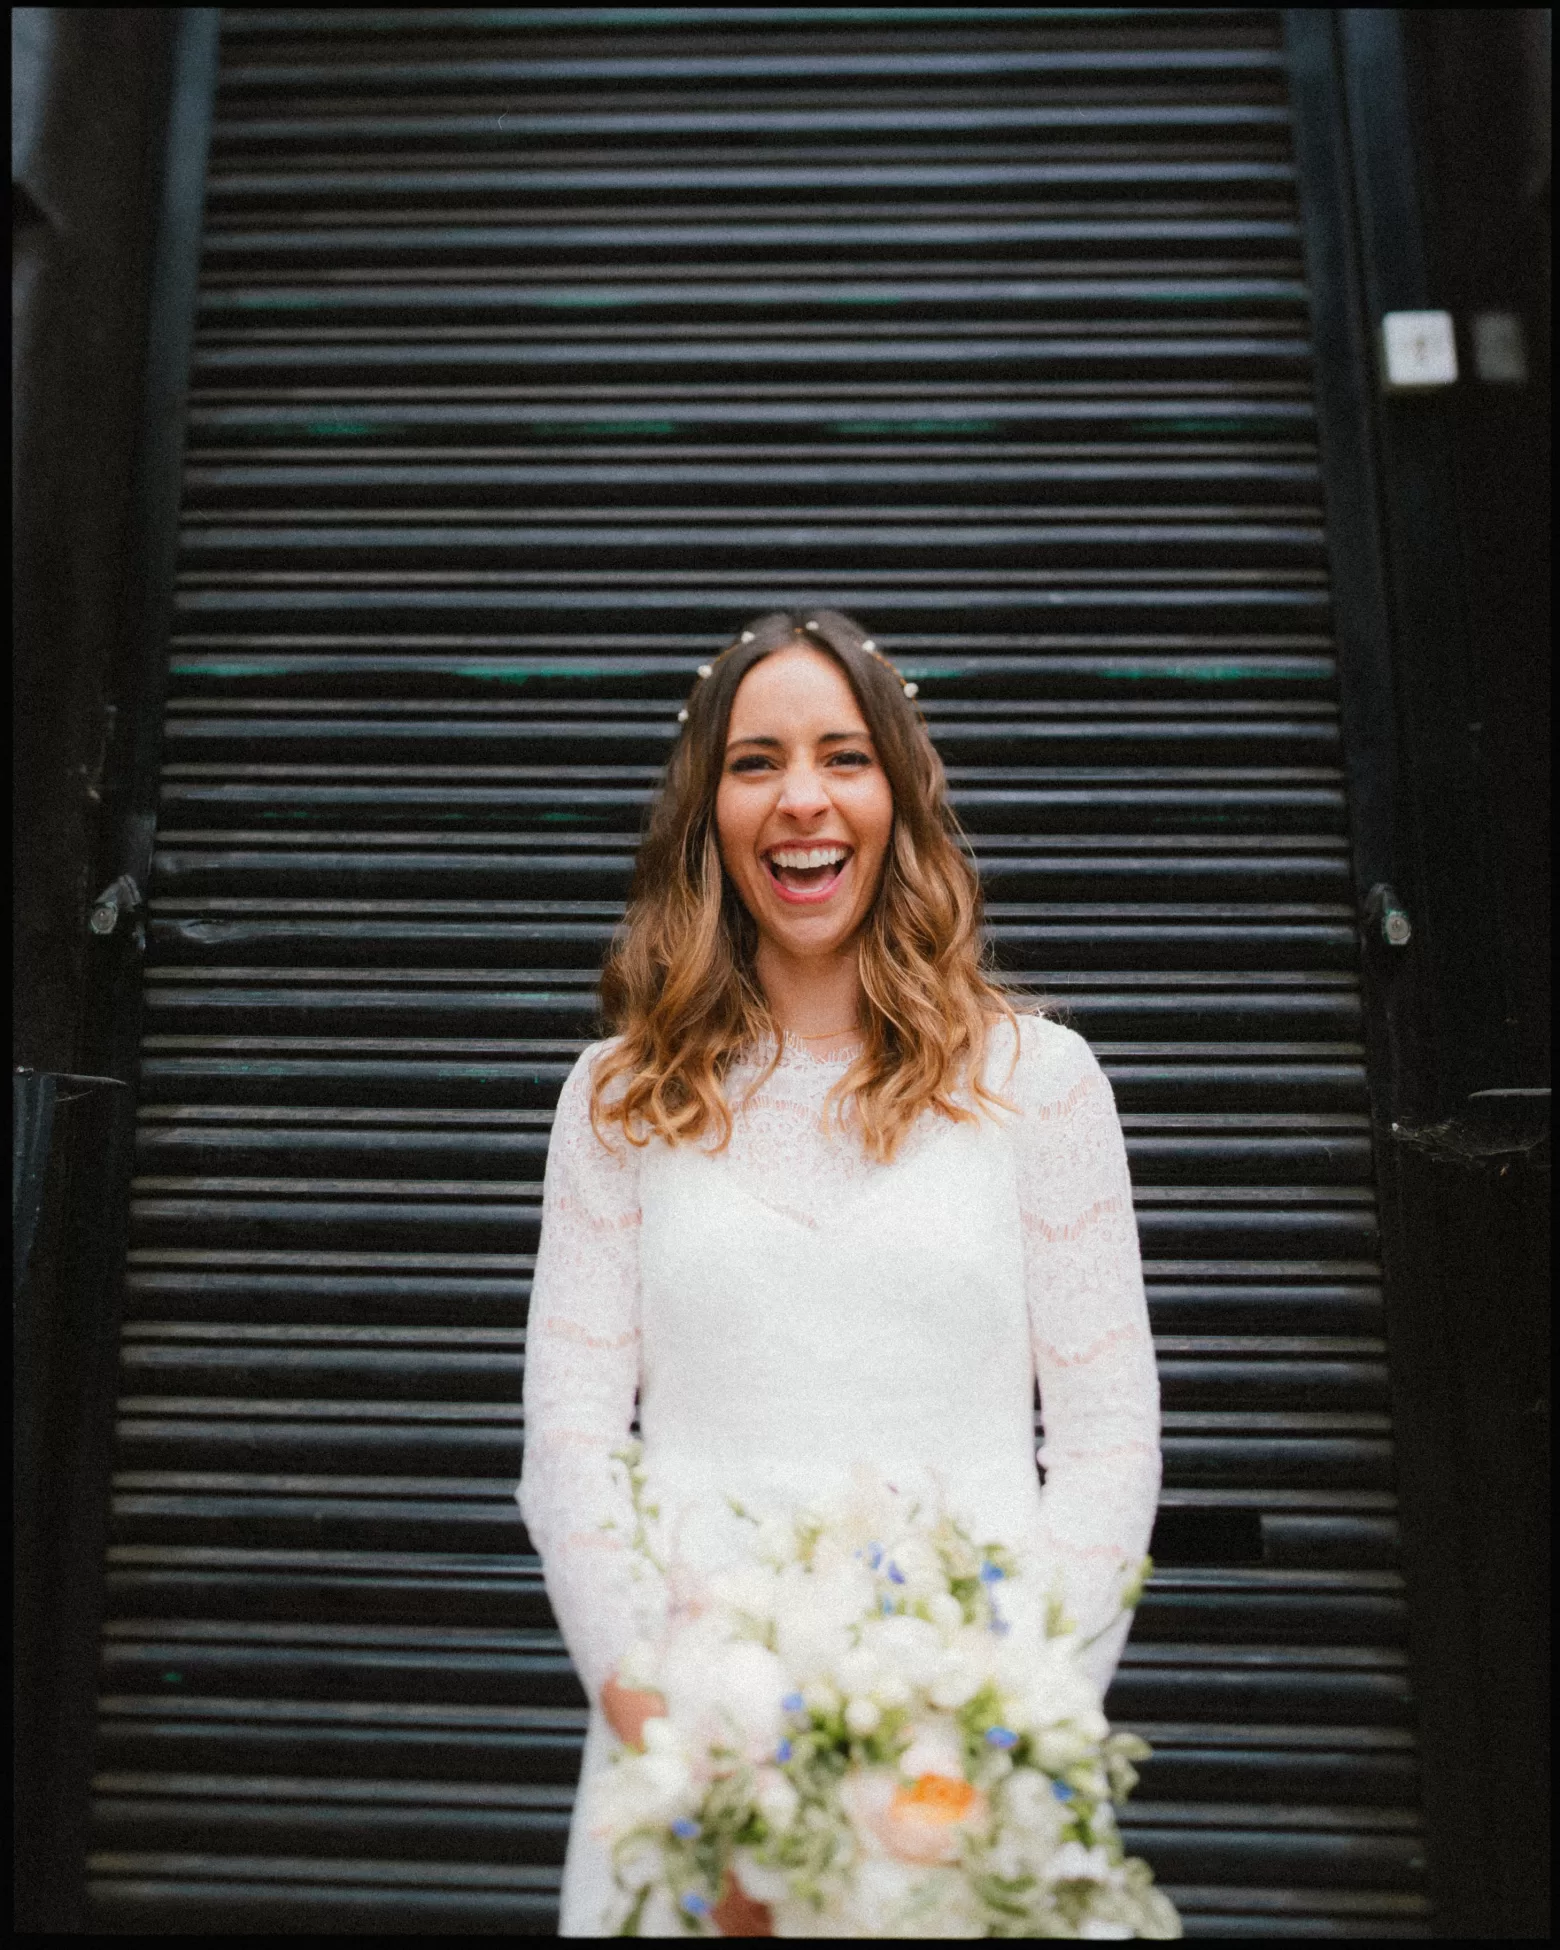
column 538, row 349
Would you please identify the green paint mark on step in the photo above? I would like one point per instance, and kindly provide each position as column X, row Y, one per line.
column 227, row 670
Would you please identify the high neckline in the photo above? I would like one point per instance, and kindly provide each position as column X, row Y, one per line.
column 794, row 1054
column 837, row 1059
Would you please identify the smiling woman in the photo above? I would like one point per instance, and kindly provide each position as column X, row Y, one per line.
column 802, row 874
column 862, row 1207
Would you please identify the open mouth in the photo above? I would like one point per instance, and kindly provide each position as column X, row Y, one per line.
column 807, row 872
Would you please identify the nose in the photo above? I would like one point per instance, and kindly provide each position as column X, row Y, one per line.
column 802, row 794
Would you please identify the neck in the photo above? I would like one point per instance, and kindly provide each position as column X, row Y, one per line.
column 816, row 998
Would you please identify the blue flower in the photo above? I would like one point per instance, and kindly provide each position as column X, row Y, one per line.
column 1001, row 1737
column 783, row 1751
column 793, row 1703
column 1061, row 1790
column 885, row 1604
column 874, row 1555
column 990, row 1573
column 695, row 1904
column 895, row 1573
column 684, row 1829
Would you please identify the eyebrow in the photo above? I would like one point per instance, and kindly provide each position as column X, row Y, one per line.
column 773, row 744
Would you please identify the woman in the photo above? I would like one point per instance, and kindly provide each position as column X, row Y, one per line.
column 824, row 1199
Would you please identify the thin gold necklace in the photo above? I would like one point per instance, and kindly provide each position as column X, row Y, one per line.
column 824, row 1035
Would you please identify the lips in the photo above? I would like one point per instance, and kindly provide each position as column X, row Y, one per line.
column 807, row 873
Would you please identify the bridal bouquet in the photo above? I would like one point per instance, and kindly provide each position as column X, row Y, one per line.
column 854, row 1733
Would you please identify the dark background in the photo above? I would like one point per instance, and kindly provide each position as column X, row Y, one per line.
column 90, row 92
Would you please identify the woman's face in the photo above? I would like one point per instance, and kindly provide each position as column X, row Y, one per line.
column 804, row 812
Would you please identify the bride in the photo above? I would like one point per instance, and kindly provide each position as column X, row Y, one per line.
column 823, row 1199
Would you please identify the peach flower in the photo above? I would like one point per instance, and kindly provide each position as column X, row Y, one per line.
column 918, row 1822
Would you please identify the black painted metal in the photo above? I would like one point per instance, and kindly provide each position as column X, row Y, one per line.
column 536, row 351
column 85, row 1285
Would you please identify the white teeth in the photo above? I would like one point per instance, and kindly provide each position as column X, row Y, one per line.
column 817, row 856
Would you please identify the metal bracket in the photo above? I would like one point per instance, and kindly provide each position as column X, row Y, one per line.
column 124, row 895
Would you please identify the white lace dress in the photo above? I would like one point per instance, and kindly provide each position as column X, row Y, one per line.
column 786, row 1307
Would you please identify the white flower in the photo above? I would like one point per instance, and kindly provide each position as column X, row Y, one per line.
column 777, row 1800
column 1032, row 1812
column 945, row 1611
column 892, row 1690
column 920, row 1568
column 640, row 1790
column 862, row 1716
column 1058, row 1748
column 936, row 1747
column 715, row 1686
column 814, row 1613
column 1045, row 1684
column 764, row 1885
column 751, row 1683
column 858, row 1671
column 809, row 1646
column 868, row 1512
column 1008, row 1858
column 749, row 1588
column 908, row 1647
column 1099, row 1929
column 962, row 1670
column 668, row 1777
column 894, row 1899
column 1072, row 1862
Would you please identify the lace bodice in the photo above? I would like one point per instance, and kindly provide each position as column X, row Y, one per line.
column 698, row 1282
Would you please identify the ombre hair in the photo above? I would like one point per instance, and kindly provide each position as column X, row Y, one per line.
column 679, row 989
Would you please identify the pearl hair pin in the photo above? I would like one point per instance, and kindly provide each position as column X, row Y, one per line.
column 910, row 690
column 867, row 644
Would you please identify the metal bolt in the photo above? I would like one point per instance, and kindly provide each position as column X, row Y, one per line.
column 1384, row 909
column 121, row 896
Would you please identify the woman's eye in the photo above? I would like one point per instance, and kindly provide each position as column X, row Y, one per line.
column 760, row 761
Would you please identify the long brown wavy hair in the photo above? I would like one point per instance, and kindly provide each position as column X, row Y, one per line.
column 679, row 988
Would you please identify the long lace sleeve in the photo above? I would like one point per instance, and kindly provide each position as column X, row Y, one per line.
column 1088, row 1318
column 581, row 1375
